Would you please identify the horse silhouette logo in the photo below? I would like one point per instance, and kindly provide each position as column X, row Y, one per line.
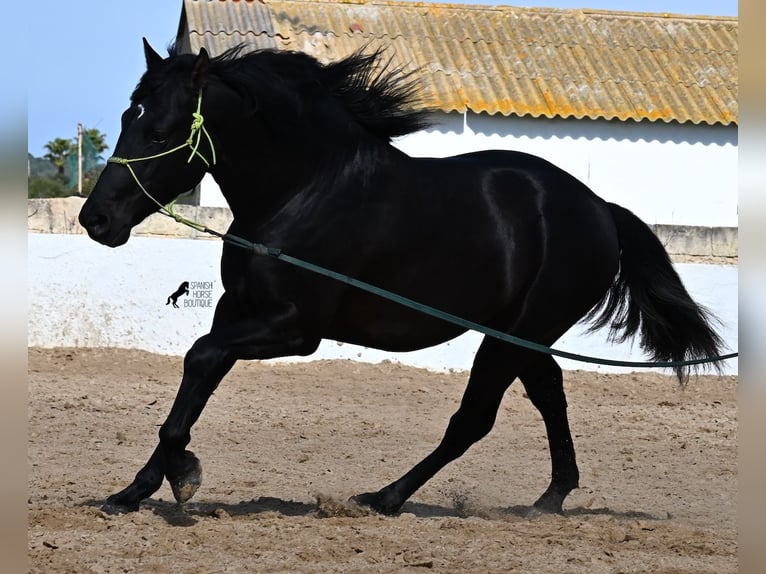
column 183, row 289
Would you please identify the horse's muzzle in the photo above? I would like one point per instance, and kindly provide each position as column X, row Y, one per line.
column 101, row 228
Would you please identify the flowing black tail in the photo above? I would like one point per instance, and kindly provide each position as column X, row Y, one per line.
column 648, row 298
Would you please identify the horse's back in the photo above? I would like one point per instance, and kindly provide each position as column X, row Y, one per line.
column 557, row 227
column 471, row 235
column 575, row 226
column 517, row 187
column 531, row 173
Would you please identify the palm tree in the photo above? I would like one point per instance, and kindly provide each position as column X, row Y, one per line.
column 97, row 138
column 58, row 150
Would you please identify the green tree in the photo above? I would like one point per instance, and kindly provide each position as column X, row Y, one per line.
column 41, row 186
column 90, row 178
column 58, row 150
column 97, row 138
column 62, row 154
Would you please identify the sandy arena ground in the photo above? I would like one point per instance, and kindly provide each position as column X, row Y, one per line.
column 284, row 446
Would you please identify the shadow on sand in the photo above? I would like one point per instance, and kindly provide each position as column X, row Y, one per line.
column 188, row 514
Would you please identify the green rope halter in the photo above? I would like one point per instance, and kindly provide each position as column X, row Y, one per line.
column 195, row 137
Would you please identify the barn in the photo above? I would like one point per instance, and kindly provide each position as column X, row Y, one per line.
column 641, row 107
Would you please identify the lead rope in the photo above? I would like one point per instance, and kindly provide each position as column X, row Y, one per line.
column 260, row 249
column 198, row 128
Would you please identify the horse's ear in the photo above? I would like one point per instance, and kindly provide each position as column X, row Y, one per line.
column 152, row 57
column 200, row 69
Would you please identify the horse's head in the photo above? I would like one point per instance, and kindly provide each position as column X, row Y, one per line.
column 287, row 122
column 163, row 149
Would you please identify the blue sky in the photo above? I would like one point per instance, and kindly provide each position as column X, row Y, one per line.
column 85, row 56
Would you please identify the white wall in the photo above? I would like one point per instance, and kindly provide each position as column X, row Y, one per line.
column 666, row 173
column 210, row 193
column 82, row 294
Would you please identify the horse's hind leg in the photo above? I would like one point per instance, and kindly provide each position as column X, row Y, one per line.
column 543, row 382
column 491, row 376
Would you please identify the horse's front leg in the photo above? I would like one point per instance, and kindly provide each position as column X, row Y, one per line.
column 206, row 363
column 204, row 367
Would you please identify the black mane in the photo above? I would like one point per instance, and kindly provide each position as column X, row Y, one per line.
column 382, row 99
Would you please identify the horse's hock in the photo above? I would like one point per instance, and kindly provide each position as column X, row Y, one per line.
column 684, row 243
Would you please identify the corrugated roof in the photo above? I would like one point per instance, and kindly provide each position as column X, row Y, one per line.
column 504, row 59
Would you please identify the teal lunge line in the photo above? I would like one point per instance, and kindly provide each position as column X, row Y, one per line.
column 259, row 249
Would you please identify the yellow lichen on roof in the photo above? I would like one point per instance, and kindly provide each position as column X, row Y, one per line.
column 504, row 59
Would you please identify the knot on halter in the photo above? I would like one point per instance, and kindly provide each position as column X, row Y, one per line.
column 197, row 121
column 170, row 211
column 197, row 129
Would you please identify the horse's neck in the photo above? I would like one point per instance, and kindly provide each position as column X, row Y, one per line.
column 258, row 189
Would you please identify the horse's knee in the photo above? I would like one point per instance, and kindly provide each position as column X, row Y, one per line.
column 204, row 357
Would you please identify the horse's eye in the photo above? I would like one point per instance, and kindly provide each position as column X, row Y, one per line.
column 159, row 138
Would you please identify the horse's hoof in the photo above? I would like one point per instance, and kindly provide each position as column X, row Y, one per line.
column 114, row 507
column 375, row 501
column 185, row 485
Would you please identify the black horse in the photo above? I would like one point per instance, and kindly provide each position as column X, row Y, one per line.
column 303, row 157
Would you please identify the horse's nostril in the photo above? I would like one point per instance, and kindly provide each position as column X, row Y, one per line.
column 100, row 221
column 96, row 224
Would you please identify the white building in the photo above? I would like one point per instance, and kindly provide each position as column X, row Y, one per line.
column 641, row 107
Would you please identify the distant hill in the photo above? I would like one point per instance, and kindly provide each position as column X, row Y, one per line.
column 40, row 167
